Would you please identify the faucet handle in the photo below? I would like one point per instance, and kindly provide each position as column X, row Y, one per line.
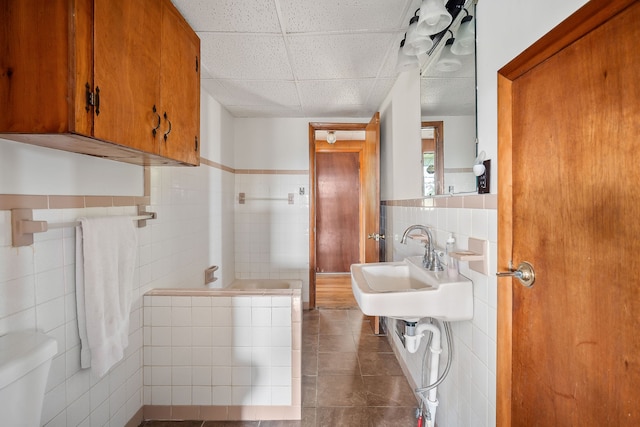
column 421, row 237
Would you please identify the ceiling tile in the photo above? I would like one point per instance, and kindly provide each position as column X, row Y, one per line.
column 335, row 92
column 380, row 91
column 355, row 111
column 215, row 89
column 265, row 111
column 343, row 15
column 254, row 92
column 337, row 56
column 253, row 16
column 235, row 56
column 442, row 96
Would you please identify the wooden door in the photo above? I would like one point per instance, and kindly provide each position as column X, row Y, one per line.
column 569, row 120
column 127, row 49
column 180, row 86
column 337, row 211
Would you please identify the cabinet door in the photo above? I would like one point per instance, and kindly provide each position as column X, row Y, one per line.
column 34, row 66
column 180, row 83
column 126, row 71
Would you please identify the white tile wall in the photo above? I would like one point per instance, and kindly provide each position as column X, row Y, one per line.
column 467, row 396
column 234, row 361
column 272, row 237
column 37, row 289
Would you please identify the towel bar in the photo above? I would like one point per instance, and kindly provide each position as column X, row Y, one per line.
column 23, row 226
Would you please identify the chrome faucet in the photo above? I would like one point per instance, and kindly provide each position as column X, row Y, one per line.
column 430, row 260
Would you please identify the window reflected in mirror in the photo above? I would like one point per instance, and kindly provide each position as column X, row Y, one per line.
column 432, row 158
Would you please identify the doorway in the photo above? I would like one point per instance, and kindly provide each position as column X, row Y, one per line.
column 344, row 207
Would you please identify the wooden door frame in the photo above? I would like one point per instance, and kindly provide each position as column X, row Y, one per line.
column 593, row 14
column 313, row 146
column 439, row 134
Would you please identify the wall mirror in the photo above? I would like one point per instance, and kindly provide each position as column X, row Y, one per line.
column 448, row 108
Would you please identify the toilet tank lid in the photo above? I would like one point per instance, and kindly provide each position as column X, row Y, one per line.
column 23, row 351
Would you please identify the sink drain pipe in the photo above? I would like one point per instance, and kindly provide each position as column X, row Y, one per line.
column 413, row 334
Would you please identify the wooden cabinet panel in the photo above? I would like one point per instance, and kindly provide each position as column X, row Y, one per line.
column 180, row 83
column 127, row 71
column 34, row 52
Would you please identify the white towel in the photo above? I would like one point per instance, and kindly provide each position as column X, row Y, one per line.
column 105, row 263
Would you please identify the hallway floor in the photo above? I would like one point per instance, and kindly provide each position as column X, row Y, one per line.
column 350, row 377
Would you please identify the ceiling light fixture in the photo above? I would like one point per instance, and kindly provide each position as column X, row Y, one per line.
column 465, row 41
column 405, row 62
column 331, row 137
column 434, row 17
column 448, row 62
column 424, row 42
column 416, row 43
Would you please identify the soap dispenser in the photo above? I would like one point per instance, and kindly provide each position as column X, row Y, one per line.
column 452, row 263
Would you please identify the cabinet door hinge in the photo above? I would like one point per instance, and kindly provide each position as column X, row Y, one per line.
column 92, row 99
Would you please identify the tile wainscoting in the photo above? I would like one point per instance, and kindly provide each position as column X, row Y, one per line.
column 224, row 355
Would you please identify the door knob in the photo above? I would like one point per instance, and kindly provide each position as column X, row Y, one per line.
column 525, row 274
column 375, row 236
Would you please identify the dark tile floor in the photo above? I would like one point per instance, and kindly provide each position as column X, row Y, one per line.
column 350, row 377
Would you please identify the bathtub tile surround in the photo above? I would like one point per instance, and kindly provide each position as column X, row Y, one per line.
column 467, row 396
column 222, row 354
column 272, row 236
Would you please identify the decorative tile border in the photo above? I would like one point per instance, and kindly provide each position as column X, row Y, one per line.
column 25, row 201
column 222, row 413
column 476, row 201
column 271, row 172
column 220, row 166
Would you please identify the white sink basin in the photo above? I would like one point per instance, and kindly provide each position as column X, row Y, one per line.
column 405, row 290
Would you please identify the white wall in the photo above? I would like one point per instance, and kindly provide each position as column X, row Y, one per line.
column 275, row 144
column 400, row 159
column 29, row 169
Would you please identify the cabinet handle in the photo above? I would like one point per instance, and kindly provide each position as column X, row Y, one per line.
column 155, row 129
column 166, row 135
column 196, row 143
column 97, row 100
column 88, row 96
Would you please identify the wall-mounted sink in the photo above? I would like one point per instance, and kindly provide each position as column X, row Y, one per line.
column 405, row 290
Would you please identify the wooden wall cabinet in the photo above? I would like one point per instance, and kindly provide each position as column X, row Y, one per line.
column 111, row 78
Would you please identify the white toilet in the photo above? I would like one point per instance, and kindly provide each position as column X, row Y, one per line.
column 25, row 359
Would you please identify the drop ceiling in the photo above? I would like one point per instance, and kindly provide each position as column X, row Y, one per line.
column 299, row 58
